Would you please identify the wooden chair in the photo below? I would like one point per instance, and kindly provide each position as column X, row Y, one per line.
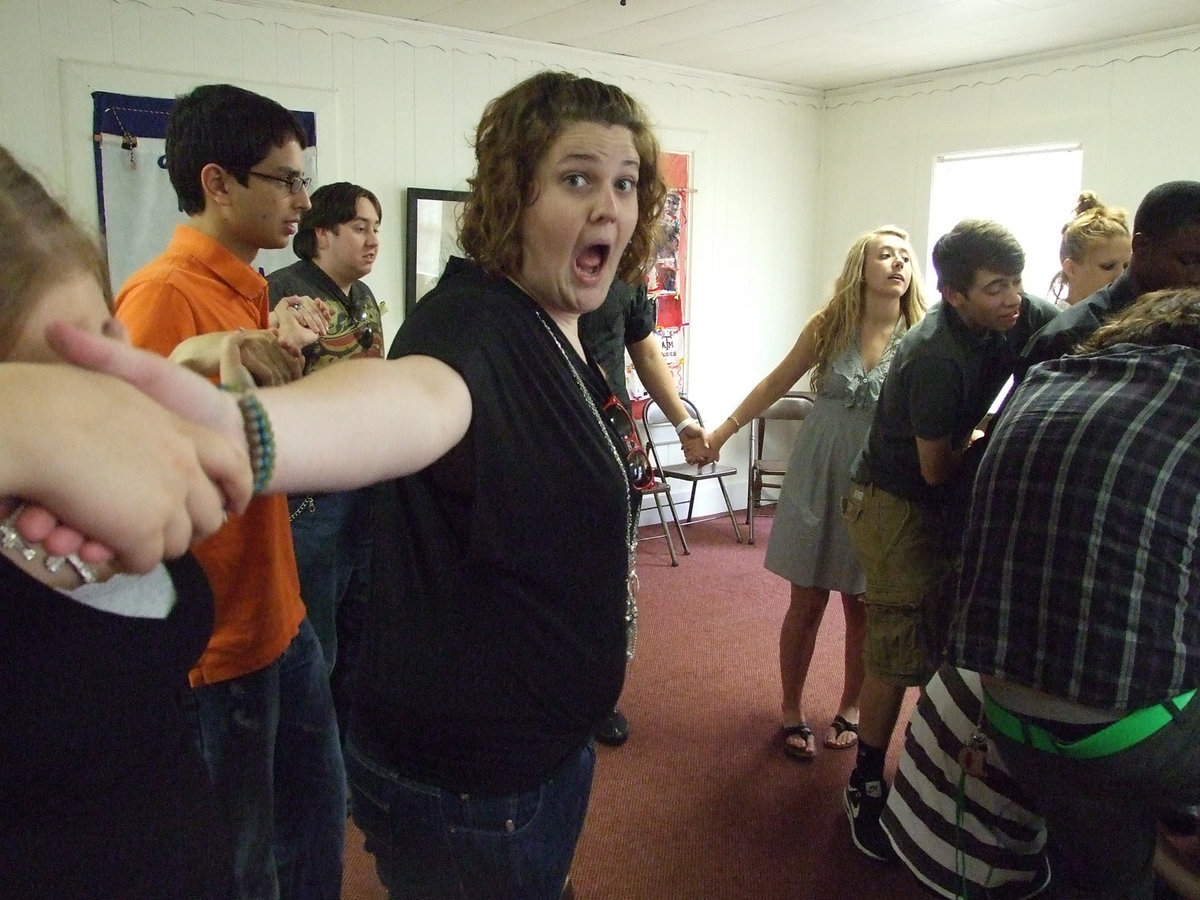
column 660, row 436
column 768, row 472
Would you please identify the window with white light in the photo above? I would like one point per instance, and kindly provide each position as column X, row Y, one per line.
column 1032, row 191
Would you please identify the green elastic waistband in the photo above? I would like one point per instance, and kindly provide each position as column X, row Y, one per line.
column 1120, row 735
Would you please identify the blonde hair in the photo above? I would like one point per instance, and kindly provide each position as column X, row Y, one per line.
column 1092, row 222
column 835, row 325
column 41, row 246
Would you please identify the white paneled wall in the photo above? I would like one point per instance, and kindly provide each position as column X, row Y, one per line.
column 1128, row 106
column 396, row 105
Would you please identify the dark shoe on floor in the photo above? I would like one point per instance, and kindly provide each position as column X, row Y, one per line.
column 613, row 731
column 864, row 802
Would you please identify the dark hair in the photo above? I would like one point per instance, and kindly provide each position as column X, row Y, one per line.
column 971, row 245
column 513, row 136
column 226, row 125
column 42, row 246
column 1154, row 319
column 1168, row 208
column 332, row 205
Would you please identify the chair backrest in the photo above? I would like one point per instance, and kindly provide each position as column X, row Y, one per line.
column 792, row 406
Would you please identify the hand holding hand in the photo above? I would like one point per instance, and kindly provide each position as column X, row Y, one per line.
column 696, row 448
column 303, row 319
column 270, row 358
column 116, row 473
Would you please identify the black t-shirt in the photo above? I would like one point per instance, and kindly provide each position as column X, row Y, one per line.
column 943, row 379
column 1060, row 336
column 626, row 316
column 103, row 792
column 494, row 638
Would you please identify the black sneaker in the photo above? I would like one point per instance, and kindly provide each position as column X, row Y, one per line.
column 864, row 802
column 613, row 731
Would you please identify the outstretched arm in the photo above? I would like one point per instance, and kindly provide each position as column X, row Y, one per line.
column 778, row 382
column 339, row 428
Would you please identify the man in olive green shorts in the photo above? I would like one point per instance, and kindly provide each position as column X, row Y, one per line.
column 904, row 505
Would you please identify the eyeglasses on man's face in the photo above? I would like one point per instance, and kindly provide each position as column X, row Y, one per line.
column 295, row 183
column 637, row 464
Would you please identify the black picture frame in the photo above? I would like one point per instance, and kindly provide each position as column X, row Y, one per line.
column 430, row 239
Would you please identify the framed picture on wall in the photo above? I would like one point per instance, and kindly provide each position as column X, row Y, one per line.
column 430, row 240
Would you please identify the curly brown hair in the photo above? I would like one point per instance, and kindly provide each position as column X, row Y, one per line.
column 43, row 246
column 1154, row 319
column 514, row 134
column 835, row 325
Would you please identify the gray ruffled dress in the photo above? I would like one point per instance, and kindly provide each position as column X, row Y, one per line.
column 809, row 544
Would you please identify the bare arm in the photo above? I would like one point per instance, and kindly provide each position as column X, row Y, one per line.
column 939, row 460
column 343, row 427
column 365, row 421
column 778, row 382
column 656, row 377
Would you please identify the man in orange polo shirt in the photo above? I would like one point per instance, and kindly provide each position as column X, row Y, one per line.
column 264, row 715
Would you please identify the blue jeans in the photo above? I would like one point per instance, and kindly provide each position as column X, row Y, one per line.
column 332, row 540
column 270, row 742
column 433, row 843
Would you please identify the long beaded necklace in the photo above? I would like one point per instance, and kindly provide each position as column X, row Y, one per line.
column 631, row 580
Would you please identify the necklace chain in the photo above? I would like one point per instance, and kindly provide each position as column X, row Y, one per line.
column 631, row 581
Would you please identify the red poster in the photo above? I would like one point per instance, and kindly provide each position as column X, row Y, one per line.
column 667, row 281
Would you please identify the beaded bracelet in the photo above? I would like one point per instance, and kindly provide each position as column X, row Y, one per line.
column 260, row 437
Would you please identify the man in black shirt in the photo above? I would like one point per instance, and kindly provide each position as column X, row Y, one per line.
column 912, row 475
column 626, row 321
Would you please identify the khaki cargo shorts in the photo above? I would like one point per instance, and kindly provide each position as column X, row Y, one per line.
column 901, row 549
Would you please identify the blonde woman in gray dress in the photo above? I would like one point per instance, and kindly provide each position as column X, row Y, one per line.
column 847, row 347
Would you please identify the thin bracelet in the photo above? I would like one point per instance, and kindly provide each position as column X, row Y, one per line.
column 733, row 419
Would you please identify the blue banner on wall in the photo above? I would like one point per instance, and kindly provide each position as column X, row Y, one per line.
column 138, row 207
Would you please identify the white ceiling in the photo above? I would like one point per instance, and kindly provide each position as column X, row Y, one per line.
column 821, row 44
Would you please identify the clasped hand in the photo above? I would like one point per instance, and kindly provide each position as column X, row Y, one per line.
column 134, row 472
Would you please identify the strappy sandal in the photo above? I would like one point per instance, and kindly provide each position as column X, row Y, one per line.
column 841, row 725
column 798, row 751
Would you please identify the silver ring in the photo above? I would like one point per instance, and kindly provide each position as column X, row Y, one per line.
column 297, row 306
